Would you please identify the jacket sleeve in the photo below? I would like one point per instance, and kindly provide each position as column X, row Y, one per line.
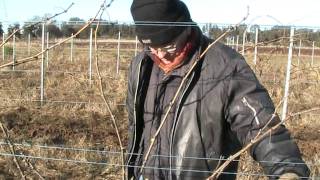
column 249, row 109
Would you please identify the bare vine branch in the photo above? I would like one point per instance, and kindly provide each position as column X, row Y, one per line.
column 113, row 119
column 256, row 139
column 47, row 19
column 12, row 150
column 35, row 57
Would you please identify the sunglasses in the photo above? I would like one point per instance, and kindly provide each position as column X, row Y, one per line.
column 175, row 45
column 171, row 48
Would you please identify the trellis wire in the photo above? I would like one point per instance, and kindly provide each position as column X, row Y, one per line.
column 220, row 25
column 60, row 101
column 53, row 72
column 117, row 153
column 134, row 166
column 87, row 50
column 29, row 144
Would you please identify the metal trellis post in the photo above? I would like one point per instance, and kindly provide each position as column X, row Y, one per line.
column 232, row 41
column 243, row 42
column 299, row 53
column 312, row 55
column 47, row 57
column 286, row 88
column 90, row 57
column 237, row 45
column 29, row 38
column 118, row 56
column 42, row 67
column 71, row 47
column 256, row 47
column 136, row 48
column 13, row 52
column 3, row 36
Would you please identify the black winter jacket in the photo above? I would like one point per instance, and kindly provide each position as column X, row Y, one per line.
column 222, row 107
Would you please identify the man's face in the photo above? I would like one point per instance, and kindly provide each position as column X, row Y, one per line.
column 168, row 52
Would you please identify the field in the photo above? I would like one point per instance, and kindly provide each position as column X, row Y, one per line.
column 71, row 136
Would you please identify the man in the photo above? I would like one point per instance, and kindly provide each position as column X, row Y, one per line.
column 220, row 108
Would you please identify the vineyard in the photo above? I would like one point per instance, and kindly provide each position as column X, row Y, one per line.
column 63, row 113
column 69, row 133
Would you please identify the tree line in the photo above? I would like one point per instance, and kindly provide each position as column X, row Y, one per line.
column 67, row 28
column 271, row 35
column 111, row 29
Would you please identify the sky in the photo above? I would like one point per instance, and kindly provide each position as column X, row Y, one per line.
column 263, row 12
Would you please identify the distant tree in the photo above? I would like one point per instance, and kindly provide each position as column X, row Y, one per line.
column 112, row 29
column 31, row 27
column 13, row 27
column 1, row 30
column 51, row 27
column 34, row 27
column 254, row 27
column 67, row 29
column 214, row 31
column 28, row 28
column 72, row 26
column 127, row 31
column 54, row 30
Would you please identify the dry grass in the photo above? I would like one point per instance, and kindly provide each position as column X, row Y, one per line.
column 74, row 114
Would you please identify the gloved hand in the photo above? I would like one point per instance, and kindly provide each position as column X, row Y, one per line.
column 289, row 176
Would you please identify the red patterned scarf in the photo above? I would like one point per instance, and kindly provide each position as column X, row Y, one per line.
column 177, row 61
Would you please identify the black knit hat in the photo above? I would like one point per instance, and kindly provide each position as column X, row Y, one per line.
column 156, row 20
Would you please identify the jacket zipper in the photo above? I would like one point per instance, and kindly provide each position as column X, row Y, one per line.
column 135, row 115
column 246, row 103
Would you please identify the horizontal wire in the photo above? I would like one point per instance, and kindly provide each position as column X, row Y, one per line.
column 82, row 49
column 155, row 155
column 135, row 166
column 121, row 23
column 52, row 71
column 57, row 101
column 106, row 75
column 36, row 90
column 295, row 82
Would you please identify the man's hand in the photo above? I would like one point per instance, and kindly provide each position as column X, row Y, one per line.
column 289, row 176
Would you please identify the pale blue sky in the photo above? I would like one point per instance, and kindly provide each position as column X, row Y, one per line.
column 265, row 12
